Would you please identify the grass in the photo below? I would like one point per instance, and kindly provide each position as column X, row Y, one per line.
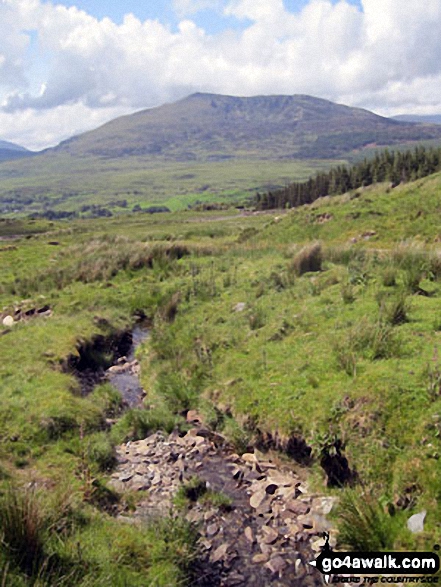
column 308, row 259
column 365, row 526
column 196, row 490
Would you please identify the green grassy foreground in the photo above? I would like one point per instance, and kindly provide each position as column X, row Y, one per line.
column 335, row 344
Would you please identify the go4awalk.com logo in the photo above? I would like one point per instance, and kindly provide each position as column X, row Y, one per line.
column 377, row 567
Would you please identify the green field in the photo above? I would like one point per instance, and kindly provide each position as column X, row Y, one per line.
column 335, row 344
column 61, row 184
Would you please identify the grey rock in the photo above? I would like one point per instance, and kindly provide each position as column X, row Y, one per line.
column 416, row 522
column 260, row 558
column 212, row 530
column 249, row 535
column 8, row 321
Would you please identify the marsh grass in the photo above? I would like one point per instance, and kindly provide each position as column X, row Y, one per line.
column 389, row 276
column 395, row 310
column 99, row 261
column 364, row 526
column 34, row 530
column 308, row 259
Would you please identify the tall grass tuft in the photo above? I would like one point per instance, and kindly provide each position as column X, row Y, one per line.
column 395, row 311
column 374, row 340
column 389, row 276
column 31, row 534
column 309, row 258
column 363, row 524
column 169, row 310
column 23, row 529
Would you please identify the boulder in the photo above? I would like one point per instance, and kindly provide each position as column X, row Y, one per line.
column 8, row 321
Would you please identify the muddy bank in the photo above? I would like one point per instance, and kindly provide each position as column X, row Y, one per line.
column 332, row 458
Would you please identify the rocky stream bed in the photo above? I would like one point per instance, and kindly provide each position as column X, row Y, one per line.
column 269, row 525
column 266, row 535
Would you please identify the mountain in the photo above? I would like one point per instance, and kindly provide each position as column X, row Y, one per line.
column 10, row 151
column 428, row 119
column 205, row 147
column 215, row 127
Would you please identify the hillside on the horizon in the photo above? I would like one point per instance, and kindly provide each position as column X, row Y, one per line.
column 205, row 147
column 10, row 151
column 215, row 127
column 420, row 118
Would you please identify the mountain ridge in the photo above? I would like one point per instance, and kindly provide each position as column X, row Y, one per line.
column 419, row 118
column 9, row 151
column 224, row 125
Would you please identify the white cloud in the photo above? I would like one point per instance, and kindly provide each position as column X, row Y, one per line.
column 185, row 8
column 386, row 56
column 39, row 129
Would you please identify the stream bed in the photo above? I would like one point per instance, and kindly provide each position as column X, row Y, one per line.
column 124, row 376
column 262, row 525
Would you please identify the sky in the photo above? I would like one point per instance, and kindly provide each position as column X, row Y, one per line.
column 70, row 66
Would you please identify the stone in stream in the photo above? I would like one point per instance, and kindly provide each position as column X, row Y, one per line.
column 257, row 498
column 252, row 476
column 220, row 553
column 260, row 558
column 206, row 544
column 212, row 530
column 249, row 457
column 237, row 473
column 324, row 505
column 264, row 509
column 276, row 565
column 270, row 535
column 262, row 528
column 297, row 507
column 249, row 534
column 139, row 485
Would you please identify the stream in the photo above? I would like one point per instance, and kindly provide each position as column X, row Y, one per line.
column 258, row 523
column 125, row 374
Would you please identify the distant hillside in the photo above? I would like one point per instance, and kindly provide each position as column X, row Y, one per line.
column 10, row 151
column 214, row 127
column 205, row 147
column 429, row 119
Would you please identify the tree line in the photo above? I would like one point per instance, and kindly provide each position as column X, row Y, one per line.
column 395, row 167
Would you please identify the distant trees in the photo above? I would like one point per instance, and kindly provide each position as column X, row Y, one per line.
column 395, row 167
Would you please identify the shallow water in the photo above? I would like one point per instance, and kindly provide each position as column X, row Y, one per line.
column 128, row 383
